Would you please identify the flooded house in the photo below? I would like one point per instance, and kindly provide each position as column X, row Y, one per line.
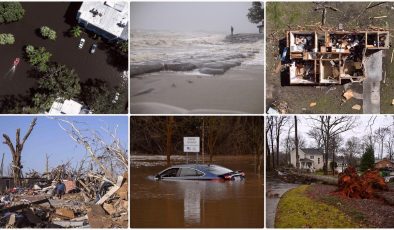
column 108, row 19
column 330, row 57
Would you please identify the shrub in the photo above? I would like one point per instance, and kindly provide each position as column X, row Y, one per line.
column 47, row 32
column 76, row 31
column 7, row 39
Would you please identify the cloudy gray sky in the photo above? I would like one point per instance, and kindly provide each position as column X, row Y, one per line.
column 192, row 16
column 362, row 128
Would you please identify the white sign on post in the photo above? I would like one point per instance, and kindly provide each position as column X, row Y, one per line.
column 191, row 144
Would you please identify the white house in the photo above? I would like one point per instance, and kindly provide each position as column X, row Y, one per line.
column 309, row 158
column 108, row 19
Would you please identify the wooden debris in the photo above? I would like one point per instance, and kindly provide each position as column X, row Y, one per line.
column 65, row 213
column 348, row 94
column 312, row 104
column 356, row 107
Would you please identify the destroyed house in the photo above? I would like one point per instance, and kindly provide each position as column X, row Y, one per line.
column 7, row 183
column 329, row 57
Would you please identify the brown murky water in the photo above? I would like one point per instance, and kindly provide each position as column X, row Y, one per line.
column 195, row 203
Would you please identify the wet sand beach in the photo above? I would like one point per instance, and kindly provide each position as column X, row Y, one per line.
column 239, row 90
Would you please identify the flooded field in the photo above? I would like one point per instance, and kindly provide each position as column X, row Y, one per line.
column 60, row 16
column 195, row 203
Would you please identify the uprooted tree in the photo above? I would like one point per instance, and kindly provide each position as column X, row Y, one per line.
column 16, row 151
column 351, row 185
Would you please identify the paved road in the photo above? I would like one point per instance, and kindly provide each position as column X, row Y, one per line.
column 275, row 190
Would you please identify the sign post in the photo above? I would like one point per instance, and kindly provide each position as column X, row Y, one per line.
column 191, row 145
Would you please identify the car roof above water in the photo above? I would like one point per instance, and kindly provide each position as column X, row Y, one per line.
column 215, row 169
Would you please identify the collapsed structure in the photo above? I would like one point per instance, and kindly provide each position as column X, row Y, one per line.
column 329, row 57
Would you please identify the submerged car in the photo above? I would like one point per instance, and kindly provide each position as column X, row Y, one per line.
column 199, row 172
column 93, row 48
column 81, row 43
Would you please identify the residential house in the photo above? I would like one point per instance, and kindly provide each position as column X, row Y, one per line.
column 109, row 19
column 310, row 159
column 384, row 164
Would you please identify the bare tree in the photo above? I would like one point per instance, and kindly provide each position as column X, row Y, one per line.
column 101, row 152
column 352, row 150
column 296, row 142
column 16, row 151
column 268, row 138
column 169, row 148
column 280, row 121
column 381, row 135
column 331, row 126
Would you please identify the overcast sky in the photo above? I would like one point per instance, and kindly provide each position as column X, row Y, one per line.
column 360, row 130
column 192, row 16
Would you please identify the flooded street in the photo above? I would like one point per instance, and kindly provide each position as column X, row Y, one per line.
column 60, row 16
column 275, row 190
column 195, row 203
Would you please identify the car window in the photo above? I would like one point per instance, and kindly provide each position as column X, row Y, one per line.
column 218, row 170
column 170, row 172
column 190, row 172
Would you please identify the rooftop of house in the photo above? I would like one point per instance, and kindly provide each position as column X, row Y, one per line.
column 67, row 107
column 112, row 17
column 312, row 151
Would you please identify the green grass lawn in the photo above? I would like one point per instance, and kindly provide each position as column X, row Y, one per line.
column 296, row 210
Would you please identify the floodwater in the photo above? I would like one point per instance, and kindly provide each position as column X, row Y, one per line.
column 195, row 203
column 59, row 16
column 275, row 190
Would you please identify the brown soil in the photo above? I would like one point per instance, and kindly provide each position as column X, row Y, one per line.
column 373, row 213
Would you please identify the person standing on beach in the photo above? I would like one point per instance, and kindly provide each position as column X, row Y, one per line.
column 232, row 31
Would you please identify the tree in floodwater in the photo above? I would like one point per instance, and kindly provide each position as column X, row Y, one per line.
column 368, row 159
column 11, row 12
column 16, row 151
column 256, row 13
column 169, row 148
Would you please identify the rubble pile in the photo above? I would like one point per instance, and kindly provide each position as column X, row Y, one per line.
column 39, row 207
column 366, row 186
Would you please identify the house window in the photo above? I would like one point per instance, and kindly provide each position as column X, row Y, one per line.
column 312, row 157
column 318, row 160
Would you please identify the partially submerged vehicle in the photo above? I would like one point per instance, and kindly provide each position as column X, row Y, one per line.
column 199, row 172
column 329, row 57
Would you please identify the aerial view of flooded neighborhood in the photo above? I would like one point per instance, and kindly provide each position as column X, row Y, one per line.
column 330, row 171
column 197, row 172
column 188, row 58
column 64, row 58
column 64, row 172
column 330, row 57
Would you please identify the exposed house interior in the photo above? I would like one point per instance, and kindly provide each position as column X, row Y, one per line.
column 329, row 57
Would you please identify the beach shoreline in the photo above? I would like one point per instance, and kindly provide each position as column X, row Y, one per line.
column 240, row 90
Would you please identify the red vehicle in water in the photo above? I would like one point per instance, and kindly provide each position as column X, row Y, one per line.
column 16, row 61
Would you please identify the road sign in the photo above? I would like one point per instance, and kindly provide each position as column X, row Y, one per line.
column 191, row 144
